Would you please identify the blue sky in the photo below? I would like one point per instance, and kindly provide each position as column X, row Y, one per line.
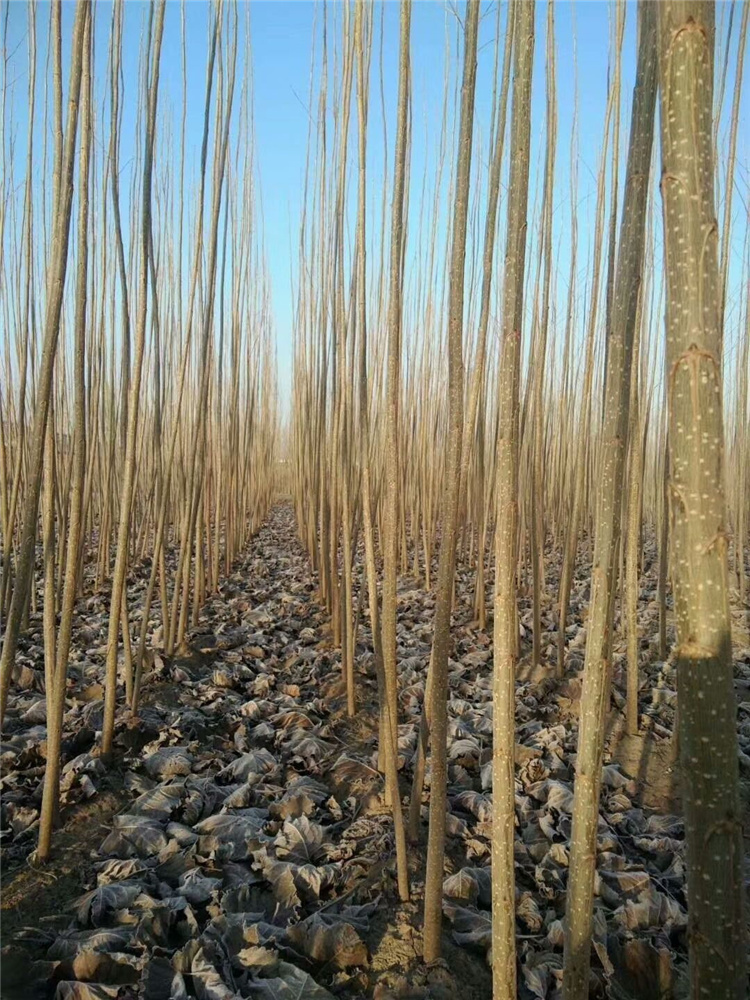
column 282, row 38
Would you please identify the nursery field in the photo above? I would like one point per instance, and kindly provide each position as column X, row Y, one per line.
column 374, row 500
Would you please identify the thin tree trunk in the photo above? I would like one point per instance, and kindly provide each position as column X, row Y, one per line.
column 55, row 289
column 506, row 530
column 392, row 469
column 594, row 696
column 433, row 901
column 128, row 482
column 56, row 698
column 663, row 550
column 632, row 516
column 538, row 528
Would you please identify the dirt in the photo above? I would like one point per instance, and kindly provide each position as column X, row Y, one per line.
column 273, row 588
column 32, row 894
column 35, row 894
column 653, row 765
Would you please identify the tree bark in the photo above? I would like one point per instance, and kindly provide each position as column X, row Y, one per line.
column 703, row 654
column 433, row 902
column 56, row 696
column 392, row 469
column 595, row 693
column 506, row 531
column 55, row 289
column 128, row 483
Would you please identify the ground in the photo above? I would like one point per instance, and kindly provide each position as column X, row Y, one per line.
column 240, row 845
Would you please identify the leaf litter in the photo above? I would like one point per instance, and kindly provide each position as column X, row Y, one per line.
column 251, row 852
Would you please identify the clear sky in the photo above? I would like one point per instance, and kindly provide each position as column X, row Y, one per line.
column 283, row 33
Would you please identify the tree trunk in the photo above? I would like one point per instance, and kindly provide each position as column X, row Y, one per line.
column 126, row 493
column 703, row 654
column 55, row 288
column 392, row 470
column 433, row 902
column 56, row 697
column 506, row 530
column 595, row 693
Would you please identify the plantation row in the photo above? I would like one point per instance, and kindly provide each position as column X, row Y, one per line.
column 523, row 416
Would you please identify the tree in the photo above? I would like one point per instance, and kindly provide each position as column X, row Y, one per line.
column 539, row 351
column 392, row 468
column 703, row 653
column 128, row 483
column 596, row 675
column 433, row 901
column 506, row 531
column 58, row 263
column 57, row 677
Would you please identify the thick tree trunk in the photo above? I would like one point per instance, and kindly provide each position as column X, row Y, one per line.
column 703, row 655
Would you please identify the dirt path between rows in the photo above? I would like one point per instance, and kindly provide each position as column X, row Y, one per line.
column 264, row 635
column 240, row 846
